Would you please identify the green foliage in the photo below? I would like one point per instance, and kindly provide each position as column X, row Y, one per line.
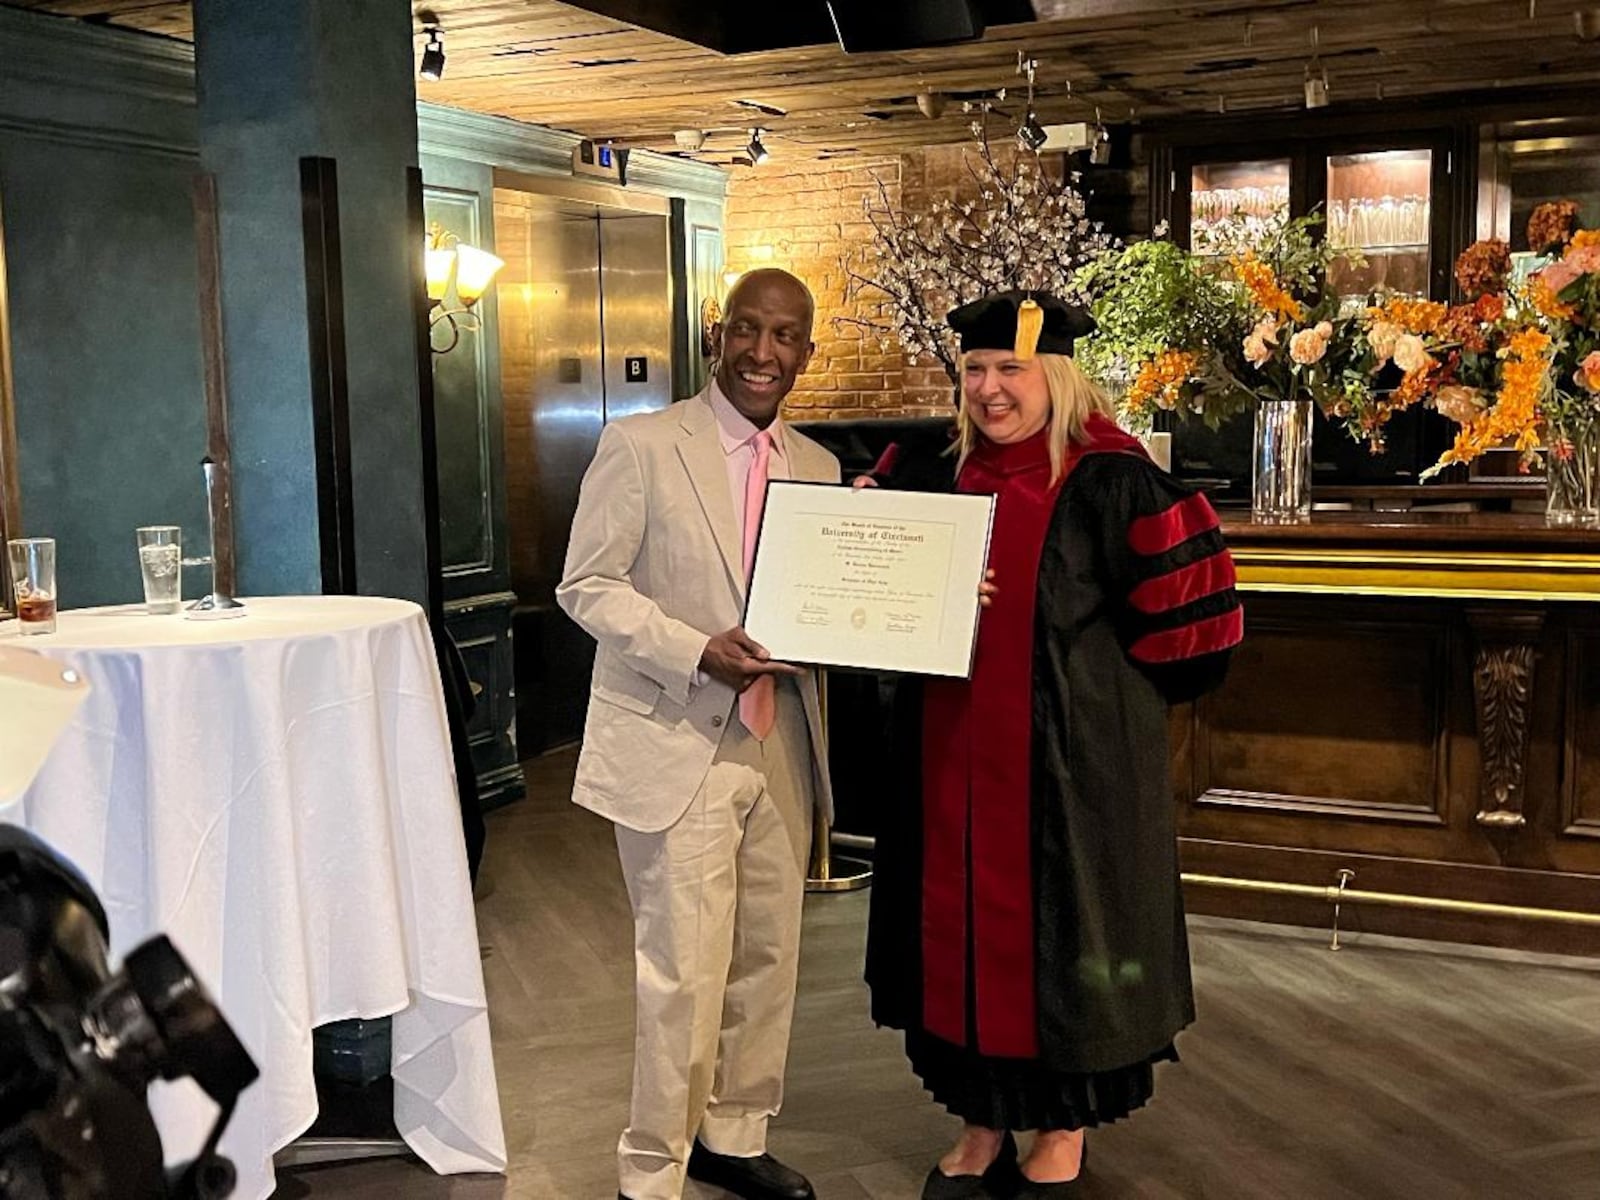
column 1151, row 298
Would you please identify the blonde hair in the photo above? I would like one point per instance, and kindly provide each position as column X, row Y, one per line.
column 1073, row 398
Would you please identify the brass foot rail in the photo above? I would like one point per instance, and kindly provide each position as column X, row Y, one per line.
column 1334, row 894
column 1341, row 893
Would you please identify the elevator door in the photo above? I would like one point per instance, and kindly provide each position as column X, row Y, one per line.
column 586, row 336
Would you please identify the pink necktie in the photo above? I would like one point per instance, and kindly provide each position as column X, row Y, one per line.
column 758, row 707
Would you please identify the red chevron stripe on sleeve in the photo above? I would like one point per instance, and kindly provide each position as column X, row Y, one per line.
column 1160, row 532
column 887, row 460
column 1191, row 641
column 1187, row 584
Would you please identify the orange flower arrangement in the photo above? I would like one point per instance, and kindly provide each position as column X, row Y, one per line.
column 1262, row 283
column 1478, row 363
column 1412, row 316
column 1417, row 385
column 1566, row 293
column 1546, row 302
column 1515, row 416
column 1397, row 330
column 1481, row 268
column 1161, row 380
column 1550, row 225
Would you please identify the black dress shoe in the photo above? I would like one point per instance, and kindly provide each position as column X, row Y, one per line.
column 760, row 1178
column 1061, row 1189
column 996, row 1180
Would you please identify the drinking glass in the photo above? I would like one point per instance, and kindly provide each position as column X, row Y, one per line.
column 1337, row 226
column 1385, row 233
column 161, row 565
column 33, row 582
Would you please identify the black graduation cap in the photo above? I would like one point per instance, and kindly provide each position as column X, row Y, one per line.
column 1026, row 323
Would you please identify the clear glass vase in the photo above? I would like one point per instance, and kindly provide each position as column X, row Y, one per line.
column 1280, row 488
column 1572, row 474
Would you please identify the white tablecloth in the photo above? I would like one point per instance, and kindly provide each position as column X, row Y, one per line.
column 277, row 794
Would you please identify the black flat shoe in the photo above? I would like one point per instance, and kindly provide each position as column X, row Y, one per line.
column 995, row 1180
column 759, row 1178
column 1060, row 1189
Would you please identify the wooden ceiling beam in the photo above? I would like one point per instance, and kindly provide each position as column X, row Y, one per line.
column 533, row 60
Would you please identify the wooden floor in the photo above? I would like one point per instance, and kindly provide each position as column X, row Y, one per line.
column 1390, row 1069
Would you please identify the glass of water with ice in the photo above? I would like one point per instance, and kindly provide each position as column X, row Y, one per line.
column 161, row 564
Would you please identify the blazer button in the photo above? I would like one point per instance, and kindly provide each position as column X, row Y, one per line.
column 716, row 722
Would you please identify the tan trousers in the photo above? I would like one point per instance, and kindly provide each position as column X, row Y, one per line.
column 716, row 910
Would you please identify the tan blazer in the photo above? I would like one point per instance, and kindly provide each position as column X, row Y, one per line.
column 654, row 568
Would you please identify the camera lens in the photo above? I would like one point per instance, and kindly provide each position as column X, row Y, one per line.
column 121, row 1032
column 197, row 1040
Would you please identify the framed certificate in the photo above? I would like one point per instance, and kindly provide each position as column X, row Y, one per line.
column 869, row 578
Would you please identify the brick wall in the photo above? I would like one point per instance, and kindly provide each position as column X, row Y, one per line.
column 807, row 217
column 804, row 217
column 516, row 329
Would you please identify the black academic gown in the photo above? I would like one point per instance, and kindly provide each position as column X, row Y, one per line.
column 1134, row 610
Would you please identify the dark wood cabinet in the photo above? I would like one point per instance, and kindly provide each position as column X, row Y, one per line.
column 1404, row 193
column 1416, row 701
column 481, row 629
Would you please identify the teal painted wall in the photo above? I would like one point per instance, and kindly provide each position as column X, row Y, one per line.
column 276, row 83
column 95, row 170
column 99, row 142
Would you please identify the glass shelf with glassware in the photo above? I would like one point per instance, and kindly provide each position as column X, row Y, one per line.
column 1395, row 248
column 1235, row 202
column 1380, row 205
column 1372, row 223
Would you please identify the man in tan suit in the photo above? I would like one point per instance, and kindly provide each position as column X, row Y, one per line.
column 705, row 754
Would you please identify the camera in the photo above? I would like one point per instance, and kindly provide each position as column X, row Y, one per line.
column 81, row 1044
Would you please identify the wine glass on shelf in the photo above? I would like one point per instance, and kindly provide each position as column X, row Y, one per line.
column 1385, row 233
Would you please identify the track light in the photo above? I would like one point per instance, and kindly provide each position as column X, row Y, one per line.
column 432, row 68
column 1031, row 134
column 757, row 152
column 689, row 140
column 1100, row 151
column 1316, row 85
column 1316, row 75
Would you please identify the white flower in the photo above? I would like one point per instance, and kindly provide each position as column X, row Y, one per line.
column 1409, row 353
column 1260, row 340
column 1382, row 337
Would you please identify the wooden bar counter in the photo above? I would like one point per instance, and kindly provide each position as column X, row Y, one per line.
column 1417, row 700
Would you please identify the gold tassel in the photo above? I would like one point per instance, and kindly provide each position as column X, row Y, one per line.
column 1030, row 324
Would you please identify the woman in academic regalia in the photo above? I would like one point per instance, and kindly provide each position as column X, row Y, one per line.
column 1027, row 928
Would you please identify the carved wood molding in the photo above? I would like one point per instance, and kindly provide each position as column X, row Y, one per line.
column 1502, row 687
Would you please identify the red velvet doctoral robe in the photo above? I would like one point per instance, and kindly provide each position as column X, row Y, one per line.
column 1027, row 888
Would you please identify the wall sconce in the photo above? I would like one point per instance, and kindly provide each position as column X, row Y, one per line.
column 449, row 261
